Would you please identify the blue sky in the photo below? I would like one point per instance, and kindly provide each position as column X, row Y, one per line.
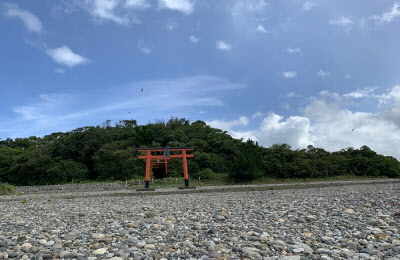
column 300, row 72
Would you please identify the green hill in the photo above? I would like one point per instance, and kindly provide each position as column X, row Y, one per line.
column 107, row 153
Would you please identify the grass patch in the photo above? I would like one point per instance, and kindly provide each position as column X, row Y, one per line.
column 173, row 182
column 69, row 197
column 223, row 180
column 320, row 179
column 6, row 189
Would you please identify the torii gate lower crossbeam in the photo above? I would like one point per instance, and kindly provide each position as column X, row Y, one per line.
column 167, row 153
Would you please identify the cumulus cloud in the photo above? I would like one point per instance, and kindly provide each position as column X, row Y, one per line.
column 184, row 6
column 31, row 22
column 227, row 125
column 257, row 115
column 327, row 121
column 307, row 6
column 290, row 74
column 65, row 56
column 194, row 39
column 143, row 47
column 393, row 96
column 224, row 46
column 294, row 130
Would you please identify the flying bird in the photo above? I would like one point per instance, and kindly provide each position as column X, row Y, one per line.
column 141, row 90
column 353, row 129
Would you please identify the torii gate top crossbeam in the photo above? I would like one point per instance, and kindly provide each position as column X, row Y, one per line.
column 161, row 149
column 149, row 157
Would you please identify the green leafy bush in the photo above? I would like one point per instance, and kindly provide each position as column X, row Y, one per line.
column 96, row 153
column 6, row 189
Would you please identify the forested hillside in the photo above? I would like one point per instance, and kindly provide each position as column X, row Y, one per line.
column 108, row 153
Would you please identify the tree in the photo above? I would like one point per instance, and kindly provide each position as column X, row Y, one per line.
column 246, row 164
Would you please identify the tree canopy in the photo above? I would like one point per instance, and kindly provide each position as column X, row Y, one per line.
column 107, row 153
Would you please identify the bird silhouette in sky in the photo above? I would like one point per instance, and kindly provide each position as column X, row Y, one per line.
column 352, row 129
column 141, row 90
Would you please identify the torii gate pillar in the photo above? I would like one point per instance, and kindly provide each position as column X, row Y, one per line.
column 149, row 157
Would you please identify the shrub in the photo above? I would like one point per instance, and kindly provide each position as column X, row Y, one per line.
column 6, row 189
column 206, row 174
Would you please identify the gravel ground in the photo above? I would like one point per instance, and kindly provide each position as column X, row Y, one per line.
column 80, row 222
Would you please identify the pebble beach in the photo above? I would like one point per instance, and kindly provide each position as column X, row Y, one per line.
column 105, row 221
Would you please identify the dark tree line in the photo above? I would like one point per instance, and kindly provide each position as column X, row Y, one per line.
column 107, row 153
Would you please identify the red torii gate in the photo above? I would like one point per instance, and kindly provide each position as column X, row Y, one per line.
column 154, row 159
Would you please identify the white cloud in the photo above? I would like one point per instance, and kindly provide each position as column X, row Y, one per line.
column 257, row 115
column 360, row 93
column 227, row 125
column 393, row 96
column 388, row 98
column 332, row 126
column 65, row 56
column 296, row 50
column 113, row 10
column 295, row 131
column 222, row 45
column 290, row 74
column 388, row 16
column 47, row 104
column 31, row 22
column 184, row 6
column 137, row 4
column 293, row 95
column 307, row 6
column 261, row 29
column 327, row 122
column 323, row 74
column 345, row 22
column 143, row 47
column 194, row 39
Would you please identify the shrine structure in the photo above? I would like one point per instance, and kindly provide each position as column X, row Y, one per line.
column 157, row 160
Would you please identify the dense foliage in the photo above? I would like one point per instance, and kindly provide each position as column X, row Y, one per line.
column 108, row 152
column 6, row 189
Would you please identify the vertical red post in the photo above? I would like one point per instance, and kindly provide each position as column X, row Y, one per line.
column 166, row 168
column 185, row 168
column 148, row 169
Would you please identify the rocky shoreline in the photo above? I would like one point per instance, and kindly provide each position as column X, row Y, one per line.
column 339, row 222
